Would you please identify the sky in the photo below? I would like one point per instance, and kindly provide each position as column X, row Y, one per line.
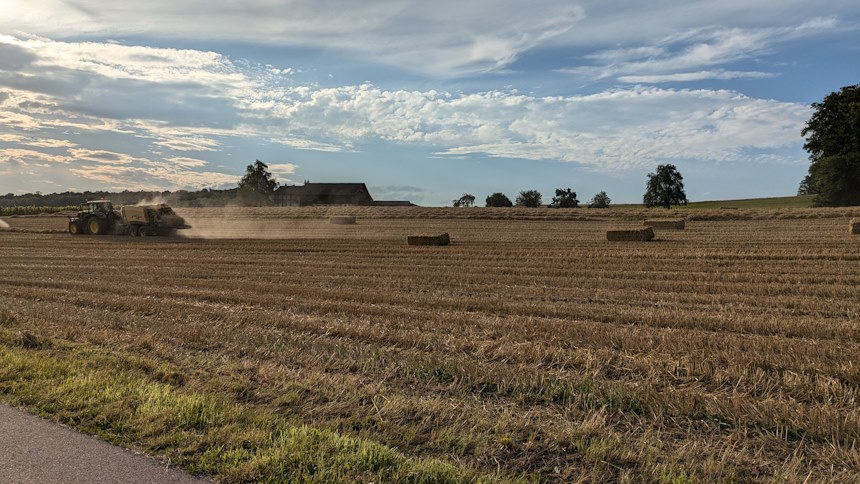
column 422, row 101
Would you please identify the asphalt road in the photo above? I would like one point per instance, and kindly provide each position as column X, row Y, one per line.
column 34, row 450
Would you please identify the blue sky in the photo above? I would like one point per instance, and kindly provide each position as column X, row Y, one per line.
column 420, row 100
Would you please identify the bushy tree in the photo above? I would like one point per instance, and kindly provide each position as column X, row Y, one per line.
column 600, row 200
column 467, row 200
column 529, row 198
column 499, row 199
column 665, row 188
column 833, row 142
column 258, row 185
column 564, row 198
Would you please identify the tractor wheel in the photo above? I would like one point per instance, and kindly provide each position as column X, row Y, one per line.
column 142, row 231
column 132, row 230
column 96, row 226
column 74, row 229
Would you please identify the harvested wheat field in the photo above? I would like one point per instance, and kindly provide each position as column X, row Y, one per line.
column 276, row 346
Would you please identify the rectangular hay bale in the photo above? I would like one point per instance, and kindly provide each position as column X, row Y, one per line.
column 666, row 224
column 342, row 220
column 854, row 226
column 630, row 235
column 442, row 239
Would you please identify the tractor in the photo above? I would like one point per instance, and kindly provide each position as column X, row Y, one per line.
column 99, row 217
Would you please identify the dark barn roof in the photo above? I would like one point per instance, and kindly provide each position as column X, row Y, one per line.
column 323, row 194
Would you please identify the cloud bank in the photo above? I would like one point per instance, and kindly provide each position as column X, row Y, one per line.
column 129, row 116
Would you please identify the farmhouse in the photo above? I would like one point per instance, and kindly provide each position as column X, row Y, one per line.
column 328, row 194
column 323, row 194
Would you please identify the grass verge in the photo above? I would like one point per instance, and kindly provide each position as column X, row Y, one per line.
column 125, row 400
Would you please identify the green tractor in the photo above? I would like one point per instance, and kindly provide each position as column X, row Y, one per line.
column 99, row 217
column 96, row 217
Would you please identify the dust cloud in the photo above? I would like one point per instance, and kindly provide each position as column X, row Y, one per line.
column 156, row 200
column 4, row 225
column 233, row 223
column 213, row 228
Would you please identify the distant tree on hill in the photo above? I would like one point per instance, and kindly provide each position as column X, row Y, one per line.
column 529, row 198
column 833, row 142
column 564, row 198
column 258, row 185
column 467, row 200
column 665, row 188
column 600, row 200
column 499, row 199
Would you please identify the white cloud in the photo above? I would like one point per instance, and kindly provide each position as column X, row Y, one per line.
column 188, row 144
column 282, row 168
column 184, row 161
column 614, row 129
column 49, row 143
column 116, row 176
column 151, row 175
column 27, row 156
column 12, row 138
column 14, row 120
column 102, row 156
column 670, row 58
column 179, row 177
column 694, row 76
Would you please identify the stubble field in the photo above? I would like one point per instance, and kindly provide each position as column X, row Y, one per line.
column 277, row 346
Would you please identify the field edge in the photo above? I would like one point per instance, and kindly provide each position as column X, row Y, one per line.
column 139, row 403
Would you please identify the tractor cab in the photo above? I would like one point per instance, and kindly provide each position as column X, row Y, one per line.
column 96, row 206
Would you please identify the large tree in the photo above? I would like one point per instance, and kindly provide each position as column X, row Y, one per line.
column 529, row 198
column 600, row 200
column 564, row 198
column 258, row 186
column 498, row 199
column 467, row 200
column 833, row 142
column 665, row 188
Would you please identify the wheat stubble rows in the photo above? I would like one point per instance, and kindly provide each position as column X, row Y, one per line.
column 728, row 350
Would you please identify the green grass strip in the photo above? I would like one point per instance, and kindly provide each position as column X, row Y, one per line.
column 124, row 399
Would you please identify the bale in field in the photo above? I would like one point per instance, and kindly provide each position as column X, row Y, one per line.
column 630, row 235
column 854, row 226
column 341, row 220
column 665, row 224
column 442, row 239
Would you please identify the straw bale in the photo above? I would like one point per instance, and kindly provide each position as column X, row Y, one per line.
column 441, row 239
column 676, row 224
column 630, row 235
column 854, row 226
column 341, row 220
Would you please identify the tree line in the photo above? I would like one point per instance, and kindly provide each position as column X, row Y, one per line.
column 180, row 198
column 564, row 198
column 664, row 188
